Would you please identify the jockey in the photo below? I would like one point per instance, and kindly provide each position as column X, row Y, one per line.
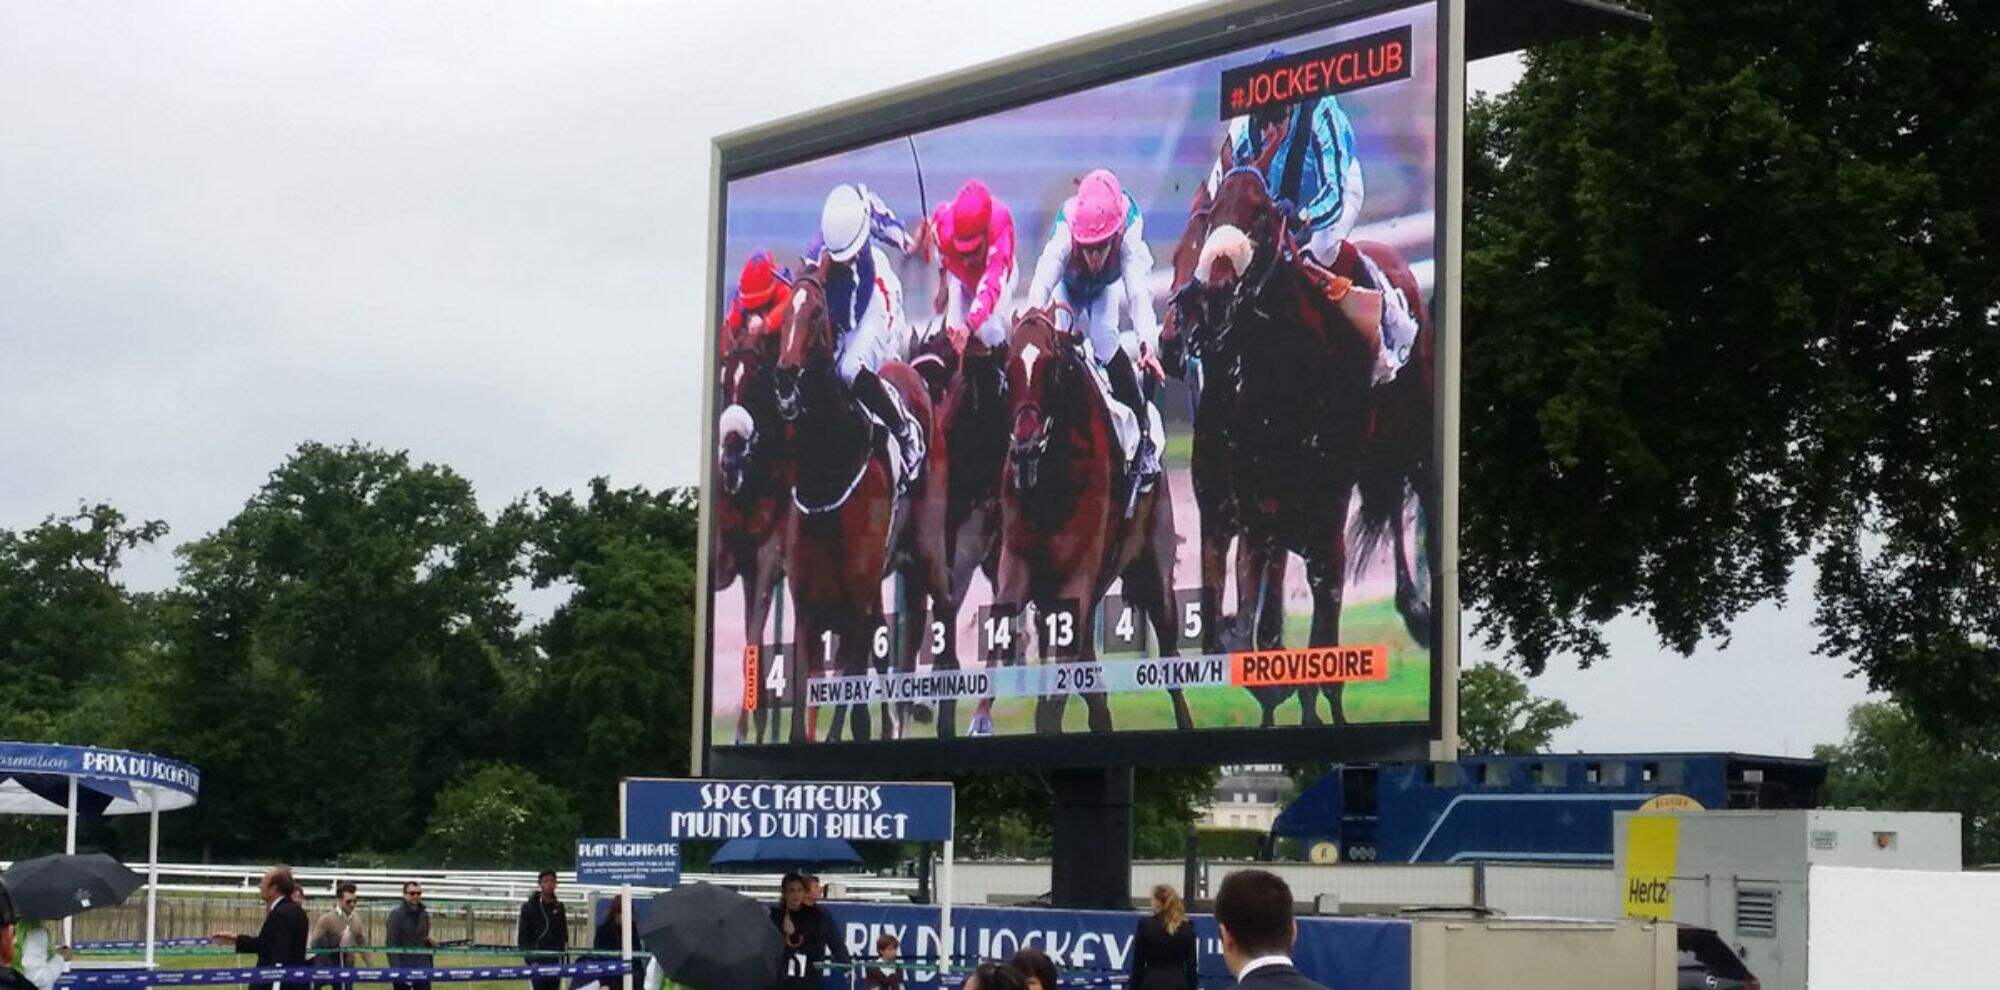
column 763, row 290
column 1312, row 165
column 865, row 302
column 1097, row 263
column 975, row 242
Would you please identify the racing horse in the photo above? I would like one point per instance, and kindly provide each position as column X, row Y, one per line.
column 853, row 523
column 1063, row 534
column 753, row 512
column 970, row 392
column 1288, row 426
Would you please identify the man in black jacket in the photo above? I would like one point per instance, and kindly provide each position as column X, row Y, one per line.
column 809, row 934
column 544, row 931
column 282, row 939
column 10, row 978
column 1254, row 912
column 410, row 927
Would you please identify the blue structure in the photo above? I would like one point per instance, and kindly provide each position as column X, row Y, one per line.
column 1544, row 807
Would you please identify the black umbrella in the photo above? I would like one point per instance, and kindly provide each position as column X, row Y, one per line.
column 712, row 938
column 58, row 886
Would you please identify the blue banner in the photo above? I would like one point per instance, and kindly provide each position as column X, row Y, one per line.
column 1348, row 953
column 643, row 864
column 665, row 810
column 302, row 975
column 91, row 762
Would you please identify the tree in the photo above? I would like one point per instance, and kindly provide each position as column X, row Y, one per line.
column 1496, row 714
column 69, row 632
column 1731, row 300
column 1890, row 762
column 501, row 817
column 340, row 644
column 72, row 645
column 1011, row 813
column 611, row 695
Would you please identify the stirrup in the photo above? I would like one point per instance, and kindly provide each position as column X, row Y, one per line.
column 910, row 447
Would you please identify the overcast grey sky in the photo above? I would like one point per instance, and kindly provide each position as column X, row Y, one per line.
column 476, row 231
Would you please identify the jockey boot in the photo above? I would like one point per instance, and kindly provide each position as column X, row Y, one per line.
column 1398, row 325
column 1145, row 464
column 1381, row 310
column 884, row 404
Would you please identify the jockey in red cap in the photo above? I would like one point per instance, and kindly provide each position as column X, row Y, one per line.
column 975, row 241
column 763, row 290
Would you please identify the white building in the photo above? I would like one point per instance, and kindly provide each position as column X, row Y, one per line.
column 1248, row 796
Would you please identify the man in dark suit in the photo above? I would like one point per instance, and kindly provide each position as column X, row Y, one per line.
column 282, row 940
column 1253, row 910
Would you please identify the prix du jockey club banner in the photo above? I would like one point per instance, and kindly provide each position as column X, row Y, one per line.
column 1346, row 953
column 97, row 764
column 663, row 810
column 870, row 587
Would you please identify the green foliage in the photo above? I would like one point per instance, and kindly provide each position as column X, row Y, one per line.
column 1165, row 803
column 1730, row 299
column 612, row 695
column 1890, row 762
column 501, row 817
column 332, row 656
column 1008, row 814
column 1231, row 843
column 1496, row 714
column 69, row 633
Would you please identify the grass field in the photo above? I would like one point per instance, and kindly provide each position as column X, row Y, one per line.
column 1403, row 697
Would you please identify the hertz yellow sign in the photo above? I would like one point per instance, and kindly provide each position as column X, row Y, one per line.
column 1652, row 847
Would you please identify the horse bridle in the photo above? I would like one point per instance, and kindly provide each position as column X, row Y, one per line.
column 790, row 406
column 750, row 443
column 1030, row 454
column 1190, row 297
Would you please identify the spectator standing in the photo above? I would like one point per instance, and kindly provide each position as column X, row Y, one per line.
column 544, row 929
column 340, row 928
column 1254, row 912
column 282, row 939
column 808, row 934
column 10, row 978
column 607, row 942
column 993, row 976
column 37, row 955
column 410, row 928
column 889, row 975
column 1163, row 950
column 1037, row 968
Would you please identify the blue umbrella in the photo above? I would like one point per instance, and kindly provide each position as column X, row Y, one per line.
column 755, row 855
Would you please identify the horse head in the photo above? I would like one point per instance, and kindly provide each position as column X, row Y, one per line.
column 936, row 361
column 805, row 341
column 745, row 388
column 1038, row 357
column 1242, row 240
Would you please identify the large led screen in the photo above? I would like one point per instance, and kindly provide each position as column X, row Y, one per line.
column 1112, row 412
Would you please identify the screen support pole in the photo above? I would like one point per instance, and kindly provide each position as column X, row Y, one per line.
column 944, row 910
column 1093, row 838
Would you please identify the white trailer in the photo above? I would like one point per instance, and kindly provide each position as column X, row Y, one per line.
column 1745, row 874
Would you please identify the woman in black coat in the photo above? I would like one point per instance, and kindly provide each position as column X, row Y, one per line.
column 1163, row 952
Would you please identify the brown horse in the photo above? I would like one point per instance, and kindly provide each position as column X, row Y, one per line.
column 1063, row 536
column 973, row 418
column 850, row 527
column 1288, row 424
column 754, row 507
